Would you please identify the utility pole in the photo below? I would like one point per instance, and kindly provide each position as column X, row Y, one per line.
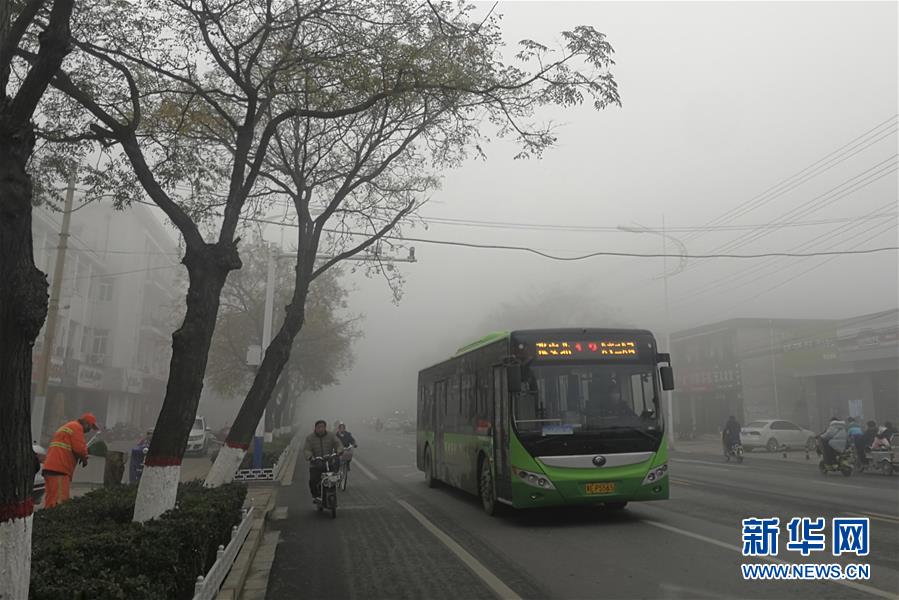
column 43, row 368
column 669, row 396
column 263, row 433
column 773, row 369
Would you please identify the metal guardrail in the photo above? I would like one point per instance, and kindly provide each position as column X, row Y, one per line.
column 207, row 587
column 267, row 473
column 263, row 474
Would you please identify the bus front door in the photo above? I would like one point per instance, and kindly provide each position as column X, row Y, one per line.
column 501, row 434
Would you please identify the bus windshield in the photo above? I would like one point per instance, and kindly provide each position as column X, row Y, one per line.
column 569, row 399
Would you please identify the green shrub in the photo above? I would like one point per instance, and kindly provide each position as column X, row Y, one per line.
column 88, row 547
column 271, row 452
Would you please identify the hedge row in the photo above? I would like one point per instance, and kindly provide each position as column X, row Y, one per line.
column 88, row 548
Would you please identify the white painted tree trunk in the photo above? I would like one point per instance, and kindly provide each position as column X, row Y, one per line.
column 157, row 491
column 15, row 557
column 226, row 464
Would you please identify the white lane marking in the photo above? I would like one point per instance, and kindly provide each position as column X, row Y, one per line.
column 368, row 473
column 850, row 584
column 882, row 515
column 717, row 466
column 701, row 462
column 492, row 581
column 876, row 517
column 410, row 475
column 400, row 467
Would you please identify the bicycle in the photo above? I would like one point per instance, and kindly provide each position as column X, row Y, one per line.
column 345, row 460
column 330, row 481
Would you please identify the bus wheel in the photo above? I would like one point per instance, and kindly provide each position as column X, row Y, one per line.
column 486, row 488
column 429, row 469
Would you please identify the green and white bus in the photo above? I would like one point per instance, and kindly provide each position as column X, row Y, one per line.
column 548, row 417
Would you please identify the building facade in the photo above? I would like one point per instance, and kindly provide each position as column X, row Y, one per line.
column 800, row 370
column 736, row 367
column 852, row 372
column 117, row 310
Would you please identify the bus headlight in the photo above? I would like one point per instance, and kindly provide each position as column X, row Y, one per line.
column 655, row 475
column 536, row 480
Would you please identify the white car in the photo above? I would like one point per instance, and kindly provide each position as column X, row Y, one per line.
column 772, row 434
column 197, row 442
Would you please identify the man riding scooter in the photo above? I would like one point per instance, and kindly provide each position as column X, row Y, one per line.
column 730, row 437
column 833, row 441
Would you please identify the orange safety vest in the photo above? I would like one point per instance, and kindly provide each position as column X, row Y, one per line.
column 67, row 443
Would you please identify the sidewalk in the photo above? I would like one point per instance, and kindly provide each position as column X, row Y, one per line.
column 711, row 444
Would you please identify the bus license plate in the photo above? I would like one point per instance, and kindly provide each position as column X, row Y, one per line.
column 606, row 487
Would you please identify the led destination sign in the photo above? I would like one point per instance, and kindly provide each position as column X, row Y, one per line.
column 587, row 349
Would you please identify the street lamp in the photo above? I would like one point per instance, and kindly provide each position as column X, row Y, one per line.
column 680, row 267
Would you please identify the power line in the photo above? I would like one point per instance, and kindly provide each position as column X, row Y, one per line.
column 816, row 168
column 865, row 178
column 119, row 273
column 135, row 252
column 591, row 254
column 731, row 279
column 573, row 258
column 796, row 276
column 599, row 228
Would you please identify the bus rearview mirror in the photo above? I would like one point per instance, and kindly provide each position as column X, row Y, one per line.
column 667, row 375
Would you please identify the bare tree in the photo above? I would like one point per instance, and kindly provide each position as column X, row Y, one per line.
column 361, row 175
column 186, row 98
column 23, row 294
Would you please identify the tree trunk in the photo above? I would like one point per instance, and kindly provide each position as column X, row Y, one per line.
column 281, row 407
column 276, row 356
column 23, row 308
column 207, row 268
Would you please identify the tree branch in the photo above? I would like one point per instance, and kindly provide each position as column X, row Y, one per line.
column 367, row 243
column 54, row 45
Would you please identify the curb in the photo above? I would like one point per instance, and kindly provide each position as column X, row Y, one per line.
column 290, row 467
column 233, row 586
column 235, row 582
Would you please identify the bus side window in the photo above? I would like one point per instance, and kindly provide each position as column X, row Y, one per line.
column 441, row 397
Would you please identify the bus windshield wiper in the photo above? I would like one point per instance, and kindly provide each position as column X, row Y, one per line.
column 634, row 429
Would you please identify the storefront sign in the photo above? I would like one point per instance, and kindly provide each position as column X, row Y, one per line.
column 55, row 370
column 133, row 381
column 90, row 377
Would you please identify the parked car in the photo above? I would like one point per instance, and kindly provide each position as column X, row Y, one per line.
column 198, row 443
column 772, row 434
column 37, row 493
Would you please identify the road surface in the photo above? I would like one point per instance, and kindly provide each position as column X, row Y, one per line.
column 396, row 538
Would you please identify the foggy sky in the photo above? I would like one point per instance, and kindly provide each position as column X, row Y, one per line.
column 721, row 101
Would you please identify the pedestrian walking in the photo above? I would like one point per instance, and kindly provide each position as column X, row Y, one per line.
column 66, row 448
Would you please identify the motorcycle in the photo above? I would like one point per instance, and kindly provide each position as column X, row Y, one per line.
column 734, row 451
column 330, row 480
column 844, row 464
